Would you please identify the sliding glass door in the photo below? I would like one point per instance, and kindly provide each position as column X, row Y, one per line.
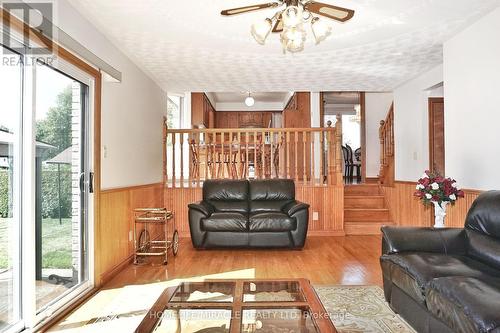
column 61, row 229
column 45, row 188
column 10, row 181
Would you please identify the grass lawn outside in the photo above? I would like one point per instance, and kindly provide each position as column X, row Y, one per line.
column 56, row 243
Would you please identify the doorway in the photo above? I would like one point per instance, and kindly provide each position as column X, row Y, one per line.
column 350, row 106
column 436, row 135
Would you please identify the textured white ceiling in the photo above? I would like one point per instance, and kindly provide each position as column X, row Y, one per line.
column 235, row 97
column 186, row 45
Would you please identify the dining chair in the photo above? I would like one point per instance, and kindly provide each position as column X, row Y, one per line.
column 357, row 163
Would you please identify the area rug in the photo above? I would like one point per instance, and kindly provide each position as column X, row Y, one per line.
column 356, row 309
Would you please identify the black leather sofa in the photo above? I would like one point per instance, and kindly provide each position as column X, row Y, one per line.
column 447, row 280
column 248, row 214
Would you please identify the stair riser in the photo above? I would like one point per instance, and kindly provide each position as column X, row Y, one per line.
column 362, row 190
column 366, row 215
column 365, row 202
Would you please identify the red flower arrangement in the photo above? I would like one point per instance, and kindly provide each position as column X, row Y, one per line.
column 433, row 187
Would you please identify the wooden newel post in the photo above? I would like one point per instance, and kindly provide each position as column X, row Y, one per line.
column 338, row 151
column 164, row 125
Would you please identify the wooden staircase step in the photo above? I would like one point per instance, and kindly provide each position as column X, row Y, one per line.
column 365, row 228
column 366, row 214
column 365, row 189
column 364, row 201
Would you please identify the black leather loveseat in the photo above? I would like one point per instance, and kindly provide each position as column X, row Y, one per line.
column 447, row 280
column 242, row 214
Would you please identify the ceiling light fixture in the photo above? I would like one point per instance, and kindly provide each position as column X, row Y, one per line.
column 290, row 22
column 249, row 101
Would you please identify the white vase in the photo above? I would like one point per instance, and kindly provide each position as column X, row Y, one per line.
column 439, row 214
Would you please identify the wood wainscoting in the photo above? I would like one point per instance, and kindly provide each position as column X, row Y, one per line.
column 114, row 248
column 327, row 201
column 407, row 210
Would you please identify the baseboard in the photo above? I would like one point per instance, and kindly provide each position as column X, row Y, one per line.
column 108, row 275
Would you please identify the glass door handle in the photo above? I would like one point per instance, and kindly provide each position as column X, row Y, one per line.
column 82, row 182
column 91, row 182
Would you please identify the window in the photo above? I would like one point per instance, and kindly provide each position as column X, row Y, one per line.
column 175, row 108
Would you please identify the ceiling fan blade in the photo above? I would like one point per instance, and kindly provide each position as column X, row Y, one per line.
column 247, row 9
column 330, row 11
column 278, row 26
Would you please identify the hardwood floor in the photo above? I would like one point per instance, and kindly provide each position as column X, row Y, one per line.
column 350, row 260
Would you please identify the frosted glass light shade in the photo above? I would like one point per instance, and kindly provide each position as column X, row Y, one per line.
column 293, row 39
column 249, row 101
column 292, row 16
column 260, row 30
column 321, row 30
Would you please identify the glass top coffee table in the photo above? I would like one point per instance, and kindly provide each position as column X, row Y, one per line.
column 234, row 306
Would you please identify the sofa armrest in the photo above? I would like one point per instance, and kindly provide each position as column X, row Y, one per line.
column 203, row 207
column 445, row 241
column 293, row 207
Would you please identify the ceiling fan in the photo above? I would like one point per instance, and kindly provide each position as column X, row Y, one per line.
column 289, row 22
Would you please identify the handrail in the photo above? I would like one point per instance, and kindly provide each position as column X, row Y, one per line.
column 386, row 136
column 307, row 155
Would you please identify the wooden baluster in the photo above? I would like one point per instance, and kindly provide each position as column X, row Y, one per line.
column 322, row 172
column 296, row 152
column 247, row 161
column 331, row 157
column 197, row 139
column 287, row 154
column 181, row 142
column 239, row 171
column 255, row 154
column 207, row 153
column 271, row 155
column 230, row 157
column 164, row 152
column 338, row 151
column 222, row 156
column 263, row 153
column 382, row 149
column 304, row 156
column 312, row 137
column 173, row 160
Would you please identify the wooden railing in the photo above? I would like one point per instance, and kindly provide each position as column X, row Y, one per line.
column 386, row 135
column 308, row 155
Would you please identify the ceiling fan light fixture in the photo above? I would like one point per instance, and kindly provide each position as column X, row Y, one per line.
column 321, row 30
column 293, row 39
column 292, row 16
column 262, row 29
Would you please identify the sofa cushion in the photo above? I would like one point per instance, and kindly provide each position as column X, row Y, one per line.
column 483, row 248
column 271, row 222
column 227, row 195
column 465, row 304
column 484, row 214
column 225, row 221
column 270, row 195
column 413, row 271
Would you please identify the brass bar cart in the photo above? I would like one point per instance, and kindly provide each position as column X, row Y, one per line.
column 143, row 244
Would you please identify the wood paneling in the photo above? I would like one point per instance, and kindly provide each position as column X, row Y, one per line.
column 201, row 110
column 328, row 201
column 241, row 119
column 406, row 210
column 436, row 135
column 116, row 222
